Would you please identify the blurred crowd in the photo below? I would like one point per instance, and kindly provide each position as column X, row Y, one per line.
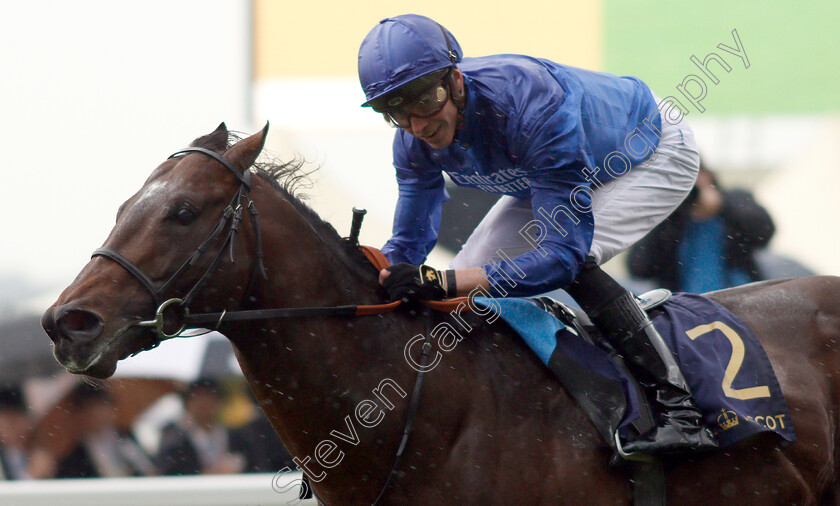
column 93, row 444
column 708, row 243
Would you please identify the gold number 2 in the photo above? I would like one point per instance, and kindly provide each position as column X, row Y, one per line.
column 735, row 361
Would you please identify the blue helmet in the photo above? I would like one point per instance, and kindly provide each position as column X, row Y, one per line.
column 401, row 49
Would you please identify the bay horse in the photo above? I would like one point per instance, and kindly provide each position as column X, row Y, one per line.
column 492, row 425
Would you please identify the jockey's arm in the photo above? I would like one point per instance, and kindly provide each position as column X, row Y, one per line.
column 468, row 280
column 554, row 265
column 417, row 215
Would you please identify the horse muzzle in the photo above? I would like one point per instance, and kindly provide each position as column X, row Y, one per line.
column 72, row 324
column 75, row 333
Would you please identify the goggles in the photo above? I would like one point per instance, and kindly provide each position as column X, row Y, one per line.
column 427, row 104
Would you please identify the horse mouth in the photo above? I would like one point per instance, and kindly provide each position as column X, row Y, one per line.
column 98, row 366
column 125, row 342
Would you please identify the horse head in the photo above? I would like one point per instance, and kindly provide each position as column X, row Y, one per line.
column 180, row 229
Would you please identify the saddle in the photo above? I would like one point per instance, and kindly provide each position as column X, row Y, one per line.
column 602, row 400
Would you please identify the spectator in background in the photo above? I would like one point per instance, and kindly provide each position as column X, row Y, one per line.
column 17, row 462
column 707, row 243
column 197, row 443
column 260, row 445
column 102, row 451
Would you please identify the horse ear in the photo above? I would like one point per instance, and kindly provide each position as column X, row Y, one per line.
column 214, row 141
column 245, row 152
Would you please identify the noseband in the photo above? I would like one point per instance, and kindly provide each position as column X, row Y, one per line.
column 231, row 216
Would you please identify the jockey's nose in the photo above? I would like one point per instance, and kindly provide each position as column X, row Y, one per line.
column 71, row 324
column 418, row 125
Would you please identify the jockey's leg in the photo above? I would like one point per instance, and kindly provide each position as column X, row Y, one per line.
column 628, row 329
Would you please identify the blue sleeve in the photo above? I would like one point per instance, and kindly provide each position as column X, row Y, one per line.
column 417, row 216
column 553, row 156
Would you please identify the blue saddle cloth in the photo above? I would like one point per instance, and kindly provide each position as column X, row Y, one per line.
column 721, row 358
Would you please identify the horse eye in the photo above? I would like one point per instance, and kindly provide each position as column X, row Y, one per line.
column 184, row 216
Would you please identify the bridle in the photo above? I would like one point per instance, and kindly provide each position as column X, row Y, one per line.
column 231, row 216
column 230, row 219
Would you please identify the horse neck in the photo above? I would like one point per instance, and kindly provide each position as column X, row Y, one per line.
column 312, row 267
column 310, row 373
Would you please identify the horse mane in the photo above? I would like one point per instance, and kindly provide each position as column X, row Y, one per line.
column 289, row 178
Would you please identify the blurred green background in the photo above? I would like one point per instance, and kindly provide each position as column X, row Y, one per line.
column 793, row 51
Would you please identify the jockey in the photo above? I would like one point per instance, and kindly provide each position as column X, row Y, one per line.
column 586, row 166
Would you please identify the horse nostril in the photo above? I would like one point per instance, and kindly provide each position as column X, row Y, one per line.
column 52, row 334
column 79, row 324
column 77, row 320
column 48, row 323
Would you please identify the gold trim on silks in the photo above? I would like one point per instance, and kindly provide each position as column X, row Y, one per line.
column 428, row 273
column 727, row 419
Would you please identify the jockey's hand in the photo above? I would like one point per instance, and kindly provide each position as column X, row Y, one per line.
column 413, row 283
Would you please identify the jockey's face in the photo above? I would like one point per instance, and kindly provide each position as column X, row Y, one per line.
column 432, row 117
column 438, row 130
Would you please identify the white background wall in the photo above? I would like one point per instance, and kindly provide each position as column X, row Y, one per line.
column 95, row 94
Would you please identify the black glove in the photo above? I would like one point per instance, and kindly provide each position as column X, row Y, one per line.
column 414, row 283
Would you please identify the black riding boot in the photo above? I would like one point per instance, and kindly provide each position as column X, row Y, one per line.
column 680, row 425
column 628, row 329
